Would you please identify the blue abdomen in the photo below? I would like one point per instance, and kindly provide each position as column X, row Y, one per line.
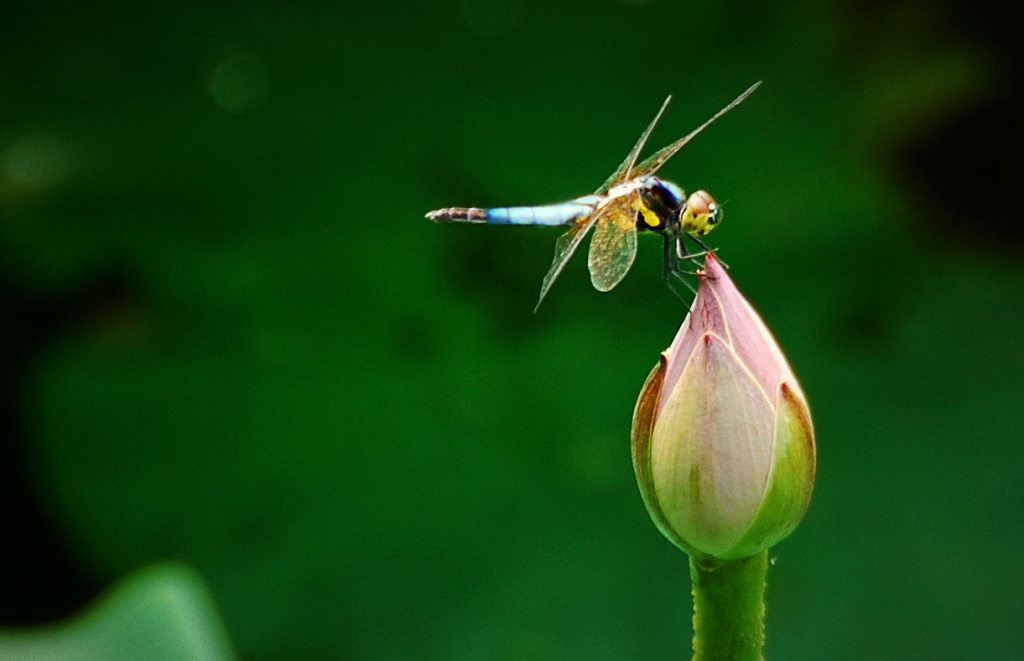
column 565, row 213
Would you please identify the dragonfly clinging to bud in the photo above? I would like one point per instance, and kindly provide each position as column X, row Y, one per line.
column 631, row 200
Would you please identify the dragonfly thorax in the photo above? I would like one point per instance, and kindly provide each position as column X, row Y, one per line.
column 627, row 188
column 661, row 203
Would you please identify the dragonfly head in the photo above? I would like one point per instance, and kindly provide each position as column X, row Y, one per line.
column 700, row 215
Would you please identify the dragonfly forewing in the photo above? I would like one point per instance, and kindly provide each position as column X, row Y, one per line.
column 613, row 248
column 658, row 158
column 623, row 170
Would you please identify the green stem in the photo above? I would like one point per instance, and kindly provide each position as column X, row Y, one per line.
column 728, row 609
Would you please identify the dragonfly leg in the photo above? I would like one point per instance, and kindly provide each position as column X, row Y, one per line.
column 707, row 250
column 682, row 254
column 692, row 257
column 668, row 265
column 677, row 277
column 673, row 273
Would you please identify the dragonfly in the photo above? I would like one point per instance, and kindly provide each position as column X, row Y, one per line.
column 630, row 201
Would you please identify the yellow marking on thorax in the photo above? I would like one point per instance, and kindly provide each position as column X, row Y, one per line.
column 650, row 217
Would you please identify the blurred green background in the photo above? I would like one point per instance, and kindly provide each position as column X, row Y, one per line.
column 231, row 338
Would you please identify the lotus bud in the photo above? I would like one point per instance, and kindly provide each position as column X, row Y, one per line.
column 723, row 446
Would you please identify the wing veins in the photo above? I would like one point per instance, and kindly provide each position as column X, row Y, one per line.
column 656, row 160
column 627, row 165
column 613, row 248
column 564, row 249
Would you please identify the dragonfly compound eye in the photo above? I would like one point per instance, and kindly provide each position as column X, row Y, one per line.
column 700, row 203
column 701, row 214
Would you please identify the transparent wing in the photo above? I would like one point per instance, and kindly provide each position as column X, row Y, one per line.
column 565, row 246
column 620, row 174
column 614, row 246
column 656, row 160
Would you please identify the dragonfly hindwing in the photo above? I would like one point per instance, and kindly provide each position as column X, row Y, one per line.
column 614, row 246
column 565, row 246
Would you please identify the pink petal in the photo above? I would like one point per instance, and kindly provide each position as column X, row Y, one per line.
column 711, row 448
column 705, row 316
column 748, row 335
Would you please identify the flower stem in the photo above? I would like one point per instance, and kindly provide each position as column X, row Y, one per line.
column 728, row 609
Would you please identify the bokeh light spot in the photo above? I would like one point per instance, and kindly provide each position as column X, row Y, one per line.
column 239, row 84
column 34, row 162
